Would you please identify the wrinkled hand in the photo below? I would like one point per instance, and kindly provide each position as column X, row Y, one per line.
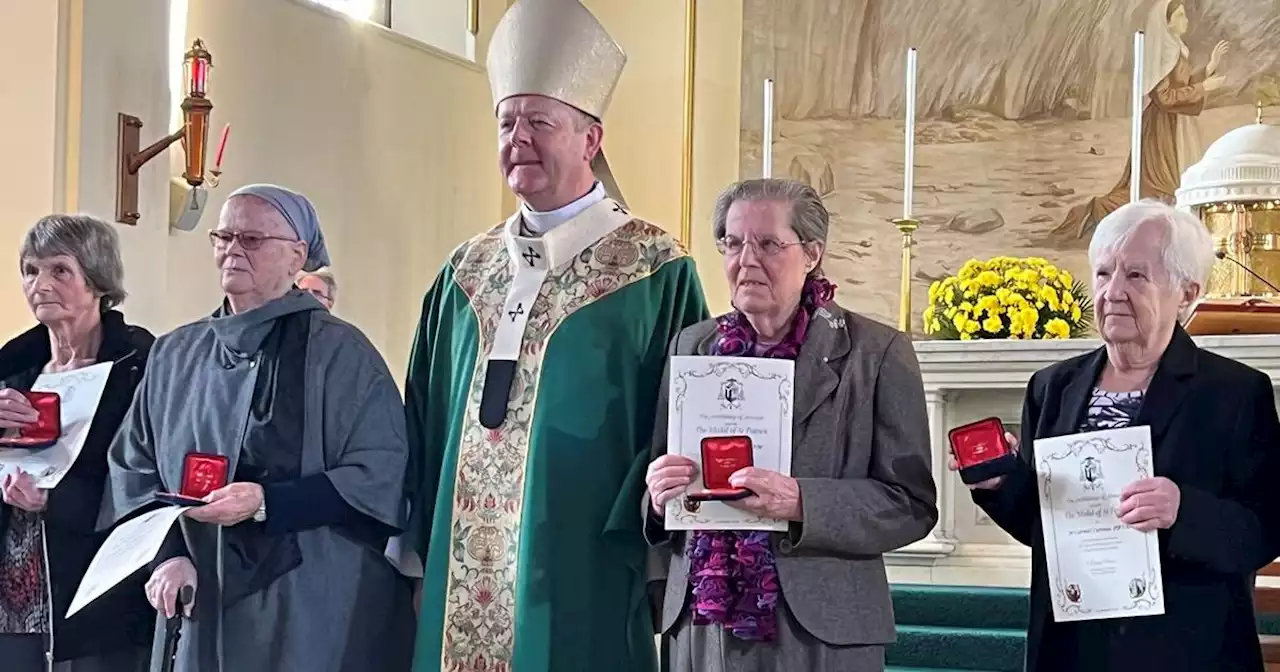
column 20, row 490
column 667, row 477
column 1150, row 504
column 990, row 483
column 16, row 411
column 229, row 505
column 1215, row 59
column 169, row 578
column 776, row 496
column 1213, row 83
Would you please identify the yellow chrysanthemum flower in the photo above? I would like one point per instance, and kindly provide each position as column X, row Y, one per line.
column 1057, row 328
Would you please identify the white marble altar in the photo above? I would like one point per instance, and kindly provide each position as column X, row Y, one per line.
column 969, row 380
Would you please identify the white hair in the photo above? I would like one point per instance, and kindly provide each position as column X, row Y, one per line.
column 1188, row 250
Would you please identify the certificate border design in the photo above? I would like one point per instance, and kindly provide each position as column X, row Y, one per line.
column 1151, row 574
column 719, row 366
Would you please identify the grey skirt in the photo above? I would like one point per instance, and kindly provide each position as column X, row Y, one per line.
column 708, row 648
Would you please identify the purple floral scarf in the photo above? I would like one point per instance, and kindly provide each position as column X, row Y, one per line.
column 733, row 575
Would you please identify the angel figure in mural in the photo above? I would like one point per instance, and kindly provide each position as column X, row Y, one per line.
column 1176, row 95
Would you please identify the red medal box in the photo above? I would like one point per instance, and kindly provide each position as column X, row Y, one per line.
column 203, row 473
column 47, row 428
column 981, row 450
column 721, row 457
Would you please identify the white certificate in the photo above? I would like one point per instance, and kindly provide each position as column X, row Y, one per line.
column 729, row 396
column 127, row 549
column 1098, row 566
column 79, row 392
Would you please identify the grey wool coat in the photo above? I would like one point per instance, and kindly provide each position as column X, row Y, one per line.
column 862, row 458
column 334, row 609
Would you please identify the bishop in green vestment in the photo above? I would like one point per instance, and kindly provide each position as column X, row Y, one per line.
column 533, row 383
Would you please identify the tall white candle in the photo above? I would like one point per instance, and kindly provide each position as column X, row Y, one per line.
column 908, row 182
column 767, row 153
column 1135, row 133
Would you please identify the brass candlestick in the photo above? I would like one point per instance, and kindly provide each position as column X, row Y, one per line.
column 906, row 227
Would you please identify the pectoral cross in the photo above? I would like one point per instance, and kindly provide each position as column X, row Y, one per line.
column 517, row 312
column 530, row 255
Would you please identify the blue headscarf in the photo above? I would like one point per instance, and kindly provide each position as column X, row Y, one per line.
column 299, row 213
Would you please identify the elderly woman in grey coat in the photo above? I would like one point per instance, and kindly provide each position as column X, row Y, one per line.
column 816, row 597
column 287, row 558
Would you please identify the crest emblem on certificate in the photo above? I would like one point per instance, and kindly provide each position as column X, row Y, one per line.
column 1091, row 473
column 1073, row 592
column 731, row 393
column 1137, row 588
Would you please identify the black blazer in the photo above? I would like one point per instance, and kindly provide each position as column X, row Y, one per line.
column 1215, row 434
column 122, row 618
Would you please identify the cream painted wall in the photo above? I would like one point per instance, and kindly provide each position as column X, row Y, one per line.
column 392, row 139
column 386, row 135
column 389, row 137
column 30, row 171
column 644, row 127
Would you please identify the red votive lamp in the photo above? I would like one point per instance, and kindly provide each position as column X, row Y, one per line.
column 198, row 62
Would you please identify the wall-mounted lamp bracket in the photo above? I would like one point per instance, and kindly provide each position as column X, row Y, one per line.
column 131, row 159
column 194, row 134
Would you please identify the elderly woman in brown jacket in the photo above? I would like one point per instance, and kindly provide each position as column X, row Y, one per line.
column 816, row 597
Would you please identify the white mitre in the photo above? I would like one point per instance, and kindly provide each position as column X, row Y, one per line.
column 557, row 49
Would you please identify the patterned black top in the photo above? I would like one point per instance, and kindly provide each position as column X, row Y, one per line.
column 1111, row 410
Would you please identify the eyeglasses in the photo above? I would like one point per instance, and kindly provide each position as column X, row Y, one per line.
column 765, row 247
column 249, row 241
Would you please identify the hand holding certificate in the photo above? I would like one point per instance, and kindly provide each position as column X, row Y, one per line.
column 729, row 438
column 1099, row 565
column 128, row 548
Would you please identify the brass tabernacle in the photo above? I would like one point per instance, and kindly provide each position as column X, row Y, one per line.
column 194, row 135
column 1235, row 191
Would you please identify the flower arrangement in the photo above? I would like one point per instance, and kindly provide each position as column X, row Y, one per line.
column 1008, row 297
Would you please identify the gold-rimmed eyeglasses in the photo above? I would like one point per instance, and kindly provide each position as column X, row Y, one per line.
column 765, row 247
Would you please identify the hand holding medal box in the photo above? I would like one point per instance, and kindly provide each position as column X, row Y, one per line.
column 201, row 474
column 727, row 415
column 721, row 457
column 981, row 450
column 47, row 428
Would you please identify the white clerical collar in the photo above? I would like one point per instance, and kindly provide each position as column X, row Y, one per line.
column 539, row 223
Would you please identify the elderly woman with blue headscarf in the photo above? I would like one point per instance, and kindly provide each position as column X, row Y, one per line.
column 285, row 422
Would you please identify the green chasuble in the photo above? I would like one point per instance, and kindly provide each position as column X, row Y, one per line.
column 526, row 507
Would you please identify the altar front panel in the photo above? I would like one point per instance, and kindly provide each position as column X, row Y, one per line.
column 970, row 380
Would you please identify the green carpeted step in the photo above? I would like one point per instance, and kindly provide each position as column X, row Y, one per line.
column 983, row 607
column 895, row 668
column 960, row 606
column 996, row 649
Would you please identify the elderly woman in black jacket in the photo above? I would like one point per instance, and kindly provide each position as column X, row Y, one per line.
column 72, row 278
column 1212, row 499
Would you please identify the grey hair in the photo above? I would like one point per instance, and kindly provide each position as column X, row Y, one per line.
column 326, row 276
column 809, row 217
column 93, row 243
column 1188, row 255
